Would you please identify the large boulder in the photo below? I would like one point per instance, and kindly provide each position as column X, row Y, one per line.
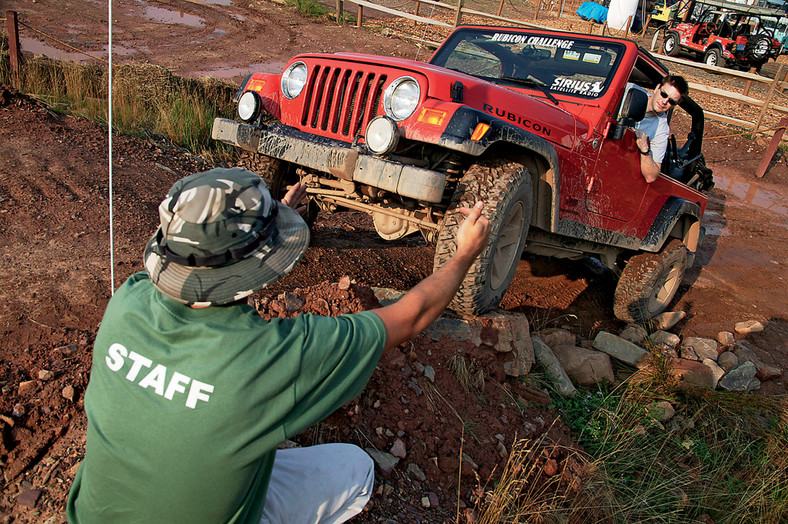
column 585, row 366
column 619, row 348
column 696, row 348
column 741, row 378
column 552, row 367
column 691, row 373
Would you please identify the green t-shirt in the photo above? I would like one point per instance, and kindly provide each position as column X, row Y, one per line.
column 186, row 406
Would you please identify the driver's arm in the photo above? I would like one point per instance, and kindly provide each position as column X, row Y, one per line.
column 648, row 168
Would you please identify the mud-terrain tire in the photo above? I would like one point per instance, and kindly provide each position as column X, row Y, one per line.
column 672, row 43
column 757, row 48
column 649, row 282
column 713, row 57
column 505, row 189
column 279, row 174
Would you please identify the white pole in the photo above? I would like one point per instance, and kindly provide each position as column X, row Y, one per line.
column 109, row 126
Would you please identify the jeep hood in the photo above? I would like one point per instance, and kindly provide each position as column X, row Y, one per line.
column 513, row 105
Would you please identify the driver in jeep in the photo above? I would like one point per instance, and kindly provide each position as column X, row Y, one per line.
column 654, row 130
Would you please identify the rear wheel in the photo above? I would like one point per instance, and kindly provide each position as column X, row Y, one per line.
column 505, row 189
column 649, row 282
column 671, row 43
column 757, row 48
column 279, row 175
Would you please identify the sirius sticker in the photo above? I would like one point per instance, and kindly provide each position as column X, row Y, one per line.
column 567, row 85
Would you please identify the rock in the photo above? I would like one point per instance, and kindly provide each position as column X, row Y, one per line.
column 619, row 348
column 634, row 333
column 727, row 360
column 429, row 372
column 696, row 348
column 662, row 411
column 434, row 502
column 293, row 303
column 746, row 354
column 19, row 410
column 501, row 448
column 398, row 449
column 662, row 339
column 716, row 371
column 667, row 320
column 28, row 498
column 425, row 501
column 550, row 467
column 416, row 471
column 26, row 387
column 68, row 393
column 502, row 331
column 385, row 461
column 468, row 460
column 584, row 366
column 45, row 374
column 741, row 378
column 725, row 338
column 555, row 372
column 554, row 337
column 691, row 373
column 748, row 326
column 344, row 282
column 68, row 350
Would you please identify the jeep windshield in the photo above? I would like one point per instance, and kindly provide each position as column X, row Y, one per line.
column 565, row 64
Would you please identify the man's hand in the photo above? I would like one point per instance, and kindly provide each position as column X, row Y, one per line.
column 294, row 196
column 642, row 140
column 473, row 233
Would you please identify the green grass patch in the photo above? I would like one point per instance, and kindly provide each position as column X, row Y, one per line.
column 147, row 99
column 722, row 455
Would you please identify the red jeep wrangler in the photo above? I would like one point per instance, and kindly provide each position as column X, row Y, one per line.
column 535, row 123
column 735, row 36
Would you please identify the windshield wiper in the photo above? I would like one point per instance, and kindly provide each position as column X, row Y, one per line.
column 532, row 83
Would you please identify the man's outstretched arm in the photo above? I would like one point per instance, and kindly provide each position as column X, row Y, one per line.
column 420, row 306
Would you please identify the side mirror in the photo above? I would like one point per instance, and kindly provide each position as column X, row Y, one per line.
column 633, row 109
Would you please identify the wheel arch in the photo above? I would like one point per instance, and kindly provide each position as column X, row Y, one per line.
column 678, row 218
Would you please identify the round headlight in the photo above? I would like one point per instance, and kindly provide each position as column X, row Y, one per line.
column 294, row 80
column 249, row 106
column 401, row 98
column 382, row 135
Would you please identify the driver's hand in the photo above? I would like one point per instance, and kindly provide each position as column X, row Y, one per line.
column 642, row 139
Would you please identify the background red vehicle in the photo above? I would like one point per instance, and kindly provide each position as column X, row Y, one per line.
column 725, row 34
column 536, row 123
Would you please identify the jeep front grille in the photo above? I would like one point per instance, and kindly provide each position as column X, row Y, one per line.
column 340, row 102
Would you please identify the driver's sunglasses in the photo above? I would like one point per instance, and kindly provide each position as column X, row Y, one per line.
column 670, row 100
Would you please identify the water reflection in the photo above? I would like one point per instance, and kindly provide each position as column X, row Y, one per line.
column 160, row 14
column 754, row 195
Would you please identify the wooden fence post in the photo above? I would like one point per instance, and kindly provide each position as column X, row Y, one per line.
column 339, row 12
column 500, row 8
column 538, row 8
column 360, row 15
column 14, row 52
column 772, row 149
column 458, row 16
column 418, row 5
column 766, row 102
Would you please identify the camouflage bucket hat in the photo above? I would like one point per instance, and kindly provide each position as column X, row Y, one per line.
column 222, row 237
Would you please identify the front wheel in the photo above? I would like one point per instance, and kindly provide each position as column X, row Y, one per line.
column 713, row 58
column 505, row 189
column 649, row 282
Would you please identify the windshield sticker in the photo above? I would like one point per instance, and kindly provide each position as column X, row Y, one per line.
column 533, row 40
column 571, row 55
column 567, row 85
column 592, row 58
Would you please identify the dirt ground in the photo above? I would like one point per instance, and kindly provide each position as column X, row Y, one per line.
column 54, row 238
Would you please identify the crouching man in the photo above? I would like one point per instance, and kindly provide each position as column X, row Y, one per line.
column 191, row 390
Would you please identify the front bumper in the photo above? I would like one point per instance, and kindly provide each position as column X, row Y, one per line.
column 330, row 156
